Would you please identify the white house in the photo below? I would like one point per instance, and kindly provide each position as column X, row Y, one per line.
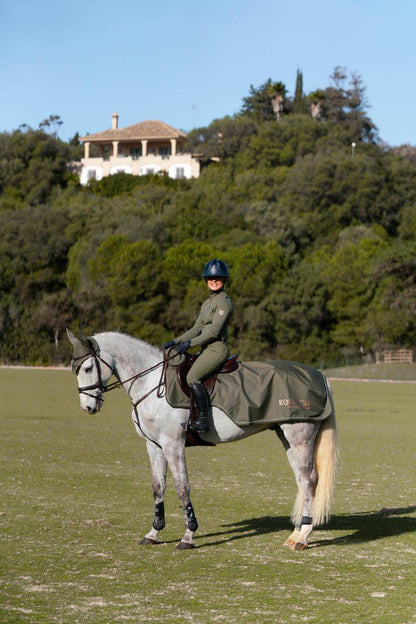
column 146, row 147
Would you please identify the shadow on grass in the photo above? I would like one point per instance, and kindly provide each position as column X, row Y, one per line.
column 366, row 526
column 369, row 526
column 249, row 528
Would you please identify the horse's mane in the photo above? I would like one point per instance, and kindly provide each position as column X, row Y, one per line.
column 114, row 339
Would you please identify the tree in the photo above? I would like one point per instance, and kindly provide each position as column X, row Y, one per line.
column 344, row 104
column 51, row 125
column 302, row 318
column 281, row 144
column 299, row 100
column 255, row 270
column 258, row 104
column 76, row 148
column 348, row 277
column 32, row 164
column 390, row 319
column 222, row 139
column 34, row 302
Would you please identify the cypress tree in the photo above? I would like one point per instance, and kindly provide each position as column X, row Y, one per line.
column 299, row 101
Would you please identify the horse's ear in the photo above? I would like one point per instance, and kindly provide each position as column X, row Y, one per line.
column 86, row 342
column 94, row 344
column 72, row 339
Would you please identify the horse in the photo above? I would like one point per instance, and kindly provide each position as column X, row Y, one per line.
column 311, row 446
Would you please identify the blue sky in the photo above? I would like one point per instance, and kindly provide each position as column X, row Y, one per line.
column 187, row 63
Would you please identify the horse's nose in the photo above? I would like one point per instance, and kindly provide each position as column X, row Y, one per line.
column 91, row 410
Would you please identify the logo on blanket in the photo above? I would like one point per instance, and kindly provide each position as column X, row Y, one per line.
column 297, row 403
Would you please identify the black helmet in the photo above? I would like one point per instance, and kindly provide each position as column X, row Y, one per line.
column 216, row 268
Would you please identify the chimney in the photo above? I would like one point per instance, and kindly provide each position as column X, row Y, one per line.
column 115, row 121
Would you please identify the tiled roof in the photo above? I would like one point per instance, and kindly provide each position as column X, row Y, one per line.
column 145, row 130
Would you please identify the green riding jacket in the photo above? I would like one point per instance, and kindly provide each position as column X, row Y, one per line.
column 212, row 323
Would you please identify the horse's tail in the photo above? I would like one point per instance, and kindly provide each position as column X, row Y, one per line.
column 325, row 454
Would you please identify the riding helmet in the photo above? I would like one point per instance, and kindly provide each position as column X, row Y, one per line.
column 216, row 268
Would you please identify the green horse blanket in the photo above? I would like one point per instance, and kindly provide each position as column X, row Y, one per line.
column 259, row 392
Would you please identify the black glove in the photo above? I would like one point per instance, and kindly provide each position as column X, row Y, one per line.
column 169, row 344
column 183, row 346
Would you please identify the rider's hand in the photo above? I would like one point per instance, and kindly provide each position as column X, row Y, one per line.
column 169, row 344
column 183, row 346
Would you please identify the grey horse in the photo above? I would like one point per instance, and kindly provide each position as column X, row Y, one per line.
column 311, row 445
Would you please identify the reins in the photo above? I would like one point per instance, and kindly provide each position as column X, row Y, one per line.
column 160, row 387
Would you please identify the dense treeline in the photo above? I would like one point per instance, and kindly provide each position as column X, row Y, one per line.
column 315, row 218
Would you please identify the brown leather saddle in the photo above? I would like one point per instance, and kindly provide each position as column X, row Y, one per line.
column 182, row 370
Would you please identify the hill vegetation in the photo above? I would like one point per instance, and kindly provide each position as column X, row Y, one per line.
column 314, row 216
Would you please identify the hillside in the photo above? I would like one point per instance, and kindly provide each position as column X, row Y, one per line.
column 320, row 238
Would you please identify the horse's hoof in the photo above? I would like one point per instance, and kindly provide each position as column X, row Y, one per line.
column 290, row 543
column 146, row 541
column 185, row 546
column 299, row 546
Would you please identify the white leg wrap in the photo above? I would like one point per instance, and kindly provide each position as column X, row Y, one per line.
column 188, row 537
column 305, row 531
column 152, row 535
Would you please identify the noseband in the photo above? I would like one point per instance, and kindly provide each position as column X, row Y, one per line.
column 100, row 384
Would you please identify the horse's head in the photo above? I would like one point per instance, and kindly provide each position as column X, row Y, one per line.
column 93, row 369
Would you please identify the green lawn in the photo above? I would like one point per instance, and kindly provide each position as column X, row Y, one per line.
column 76, row 500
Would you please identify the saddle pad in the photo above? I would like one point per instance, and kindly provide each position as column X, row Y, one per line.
column 259, row 392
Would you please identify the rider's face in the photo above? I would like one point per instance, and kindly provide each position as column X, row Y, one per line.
column 215, row 283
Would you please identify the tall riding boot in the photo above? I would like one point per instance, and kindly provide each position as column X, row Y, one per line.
column 200, row 395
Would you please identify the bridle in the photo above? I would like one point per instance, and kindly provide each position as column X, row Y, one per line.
column 102, row 387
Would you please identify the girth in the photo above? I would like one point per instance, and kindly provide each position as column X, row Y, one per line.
column 182, row 370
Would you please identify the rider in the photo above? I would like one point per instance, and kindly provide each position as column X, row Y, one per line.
column 210, row 332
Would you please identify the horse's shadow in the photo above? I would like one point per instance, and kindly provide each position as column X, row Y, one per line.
column 366, row 526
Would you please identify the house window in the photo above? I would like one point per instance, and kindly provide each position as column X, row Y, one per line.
column 115, row 170
column 164, row 150
column 107, row 152
column 136, row 152
column 91, row 174
column 149, row 170
column 180, row 173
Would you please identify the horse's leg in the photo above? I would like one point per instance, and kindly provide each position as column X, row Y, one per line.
column 175, row 453
column 159, row 465
column 299, row 439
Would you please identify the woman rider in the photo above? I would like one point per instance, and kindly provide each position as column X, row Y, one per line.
column 210, row 332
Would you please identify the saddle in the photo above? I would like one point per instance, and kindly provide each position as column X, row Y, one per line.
column 182, row 370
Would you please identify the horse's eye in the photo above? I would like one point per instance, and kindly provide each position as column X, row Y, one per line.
column 88, row 369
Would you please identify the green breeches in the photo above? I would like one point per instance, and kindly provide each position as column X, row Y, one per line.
column 211, row 358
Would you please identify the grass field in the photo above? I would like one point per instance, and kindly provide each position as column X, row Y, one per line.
column 394, row 372
column 76, row 500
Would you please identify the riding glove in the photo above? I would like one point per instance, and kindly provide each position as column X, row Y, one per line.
column 169, row 344
column 183, row 346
